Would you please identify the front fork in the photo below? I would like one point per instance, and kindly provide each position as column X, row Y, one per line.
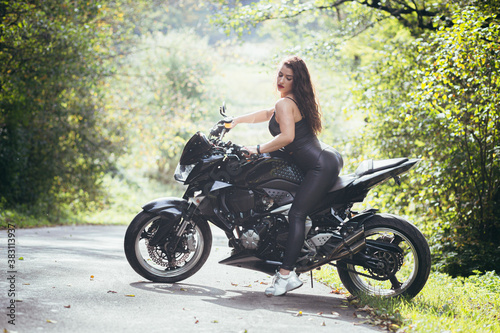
column 182, row 227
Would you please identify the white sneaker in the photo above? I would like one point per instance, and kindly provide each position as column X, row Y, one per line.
column 283, row 283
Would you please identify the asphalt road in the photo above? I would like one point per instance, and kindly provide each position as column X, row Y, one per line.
column 76, row 279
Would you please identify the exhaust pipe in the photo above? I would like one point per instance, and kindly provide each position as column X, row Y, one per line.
column 349, row 246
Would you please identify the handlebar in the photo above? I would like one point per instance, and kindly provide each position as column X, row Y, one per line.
column 221, row 128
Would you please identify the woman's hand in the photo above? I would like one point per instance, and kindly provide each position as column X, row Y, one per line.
column 250, row 149
column 234, row 122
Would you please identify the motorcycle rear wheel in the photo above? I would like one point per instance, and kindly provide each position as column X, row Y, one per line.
column 151, row 262
column 413, row 265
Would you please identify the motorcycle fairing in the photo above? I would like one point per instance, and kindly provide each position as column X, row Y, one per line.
column 370, row 166
column 371, row 173
column 250, row 261
column 196, row 146
column 205, row 163
column 381, row 174
column 353, row 187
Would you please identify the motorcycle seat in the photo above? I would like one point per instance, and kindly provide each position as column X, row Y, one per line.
column 365, row 168
column 370, row 166
column 342, row 182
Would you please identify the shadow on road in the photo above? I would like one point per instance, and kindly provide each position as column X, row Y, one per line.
column 326, row 307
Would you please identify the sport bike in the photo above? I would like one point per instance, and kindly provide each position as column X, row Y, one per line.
column 249, row 196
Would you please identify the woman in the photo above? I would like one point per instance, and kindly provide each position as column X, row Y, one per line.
column 295, row 122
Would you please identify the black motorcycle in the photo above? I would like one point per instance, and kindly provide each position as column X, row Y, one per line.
column 249, row 196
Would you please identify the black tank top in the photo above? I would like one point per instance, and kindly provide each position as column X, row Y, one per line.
column 305, row 147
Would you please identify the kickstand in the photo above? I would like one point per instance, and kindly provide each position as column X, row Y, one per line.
column 312, row 284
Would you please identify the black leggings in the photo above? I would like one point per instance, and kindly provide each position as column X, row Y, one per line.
column 321, row 174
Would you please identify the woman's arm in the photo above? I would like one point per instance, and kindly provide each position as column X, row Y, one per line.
column 254, row 117
column 286, row 120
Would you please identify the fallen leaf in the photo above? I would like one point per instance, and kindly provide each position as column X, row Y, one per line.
column 264, row 283
column 130, row 295
column 298, row 314
column 184, row 289
column 234, row 284
column 196, row 321
column 249, row 286
column 319, row 313
column 393, row 327
column 21, row 258
column 67, row 306
column 323, row 324
column 354, row 301
column 51, row 321
column 111, row 292
column 335, row 314
column 215, row 321
column 366, row 308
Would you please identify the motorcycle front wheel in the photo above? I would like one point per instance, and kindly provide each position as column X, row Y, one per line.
column 162, row 262
column 399, row 273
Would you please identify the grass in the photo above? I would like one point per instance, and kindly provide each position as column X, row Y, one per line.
column 445, row 304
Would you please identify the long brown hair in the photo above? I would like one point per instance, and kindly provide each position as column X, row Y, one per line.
column 303, row 91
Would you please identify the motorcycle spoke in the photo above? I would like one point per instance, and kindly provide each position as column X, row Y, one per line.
column 382, row 280
column 163, row 260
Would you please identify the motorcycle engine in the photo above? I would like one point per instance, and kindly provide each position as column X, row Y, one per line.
column 240, row 200
column 267, row 237
column 241, row 203
column 251, row 237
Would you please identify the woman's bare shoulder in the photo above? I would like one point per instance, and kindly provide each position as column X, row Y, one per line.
column 285, row 103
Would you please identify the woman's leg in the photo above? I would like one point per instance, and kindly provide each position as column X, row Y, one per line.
column 314, row 187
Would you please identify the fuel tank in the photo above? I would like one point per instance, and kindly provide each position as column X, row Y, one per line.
column 278, row 177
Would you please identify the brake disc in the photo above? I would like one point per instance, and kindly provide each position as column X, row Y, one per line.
column 159, row 257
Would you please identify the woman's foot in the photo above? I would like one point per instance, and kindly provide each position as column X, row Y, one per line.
column 283, row 283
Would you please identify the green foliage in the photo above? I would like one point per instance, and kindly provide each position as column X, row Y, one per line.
column 438, row 99
column 459, row 97
column 416, row 15
column 435, row 98
column 73, row 75
column 55, row 142
column 162, row 91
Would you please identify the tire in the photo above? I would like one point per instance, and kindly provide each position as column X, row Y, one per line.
column 409, row 271
column 151, row 263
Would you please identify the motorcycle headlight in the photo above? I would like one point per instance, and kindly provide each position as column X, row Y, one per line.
column 182, row 172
